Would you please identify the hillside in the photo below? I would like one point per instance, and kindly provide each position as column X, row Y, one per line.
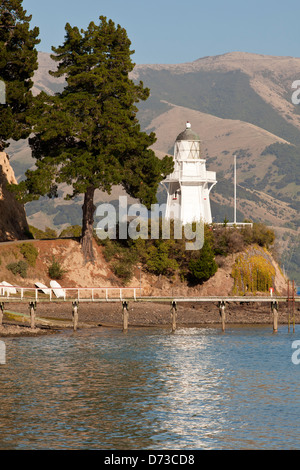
column 238, row 103
column 250, row 87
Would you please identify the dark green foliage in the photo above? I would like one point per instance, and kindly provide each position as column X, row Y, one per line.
column 88, row 135
column 18, row 61
column 18, row 268
column 124, row 264
column 29, row 252
column 159, row 258
column 122, row 257
column 170, row 257
column 204, row 266
column 90, row 129
column 55, row 270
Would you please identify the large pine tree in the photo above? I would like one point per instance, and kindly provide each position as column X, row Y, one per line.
column 18, row 61
column 88, row 136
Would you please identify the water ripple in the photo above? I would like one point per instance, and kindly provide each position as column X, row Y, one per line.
column 150, row 389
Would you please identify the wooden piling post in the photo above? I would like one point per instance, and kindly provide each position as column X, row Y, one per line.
column 1, row 312
column 222, row 313
column 125, row 315
column 75, row 314
column 32, row 309
column 174, row 315
column 274, row 307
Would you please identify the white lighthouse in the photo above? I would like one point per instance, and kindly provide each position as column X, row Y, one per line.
column 190, row 183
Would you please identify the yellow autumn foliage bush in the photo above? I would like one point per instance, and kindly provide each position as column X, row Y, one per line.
column 253, row 271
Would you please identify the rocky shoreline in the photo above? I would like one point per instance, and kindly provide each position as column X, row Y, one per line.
column 55, row 317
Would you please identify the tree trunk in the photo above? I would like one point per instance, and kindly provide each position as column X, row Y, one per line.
column 88, row 210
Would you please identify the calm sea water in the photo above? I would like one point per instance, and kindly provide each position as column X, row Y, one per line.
column 150, row 389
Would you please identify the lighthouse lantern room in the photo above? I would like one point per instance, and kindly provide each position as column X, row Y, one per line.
column 189, row 185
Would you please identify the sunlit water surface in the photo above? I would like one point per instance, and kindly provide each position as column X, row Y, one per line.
column 150, row 389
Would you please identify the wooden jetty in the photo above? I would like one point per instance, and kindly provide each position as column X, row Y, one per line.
column 75, row 296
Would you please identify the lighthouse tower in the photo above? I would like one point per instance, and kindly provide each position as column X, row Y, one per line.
column 190, row 183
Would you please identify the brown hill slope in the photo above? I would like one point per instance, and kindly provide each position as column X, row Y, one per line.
column 270, row 76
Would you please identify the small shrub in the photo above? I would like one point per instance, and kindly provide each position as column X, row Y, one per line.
column 71, row 231
column 124, row 262
column 205, row 266
column 38, row 234
column 227, row 241
column 122, row 270
column 19, row 268
column 29, row 252
column 111, row 249
column 263, row 235
column 159, row 260
column 55, row 270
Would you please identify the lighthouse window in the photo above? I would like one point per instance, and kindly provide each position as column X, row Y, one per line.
column 187, row 150
column 194, row 150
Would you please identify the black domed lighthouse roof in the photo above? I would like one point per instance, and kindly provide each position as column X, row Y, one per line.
column 188, row 134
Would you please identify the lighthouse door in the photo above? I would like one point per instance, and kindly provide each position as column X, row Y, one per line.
column 175, row 203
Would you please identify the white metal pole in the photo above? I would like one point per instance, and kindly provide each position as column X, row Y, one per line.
column 140, row 281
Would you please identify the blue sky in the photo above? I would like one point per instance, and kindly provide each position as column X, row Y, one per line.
column 173, row 31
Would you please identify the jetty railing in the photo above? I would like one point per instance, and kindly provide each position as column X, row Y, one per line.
column 94, row 294
column 51, row 294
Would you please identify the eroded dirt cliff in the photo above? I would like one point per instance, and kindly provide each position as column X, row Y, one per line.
column 13, row 222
